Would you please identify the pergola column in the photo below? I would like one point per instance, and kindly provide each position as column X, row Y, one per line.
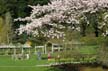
column 52, row 48
column 45, row 49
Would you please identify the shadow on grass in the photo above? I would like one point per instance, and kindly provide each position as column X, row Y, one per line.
column 64, row 67
column 54, row 69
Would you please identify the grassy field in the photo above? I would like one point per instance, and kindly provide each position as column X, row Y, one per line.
column 7, row 64
column 88, row 49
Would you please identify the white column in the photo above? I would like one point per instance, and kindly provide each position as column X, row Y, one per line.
column 14, row 50
column 35, row 50
column 59, row 48
column 22, row 50
column 52, row 48
column 45, row 49
column 29, row 50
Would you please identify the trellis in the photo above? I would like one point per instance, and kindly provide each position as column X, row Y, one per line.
column 13, row 49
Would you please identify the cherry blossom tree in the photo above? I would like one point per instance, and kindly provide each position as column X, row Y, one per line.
column 59, row 14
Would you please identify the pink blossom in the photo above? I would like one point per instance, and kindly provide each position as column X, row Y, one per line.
column 61, row 11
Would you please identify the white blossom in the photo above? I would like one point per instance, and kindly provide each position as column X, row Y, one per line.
column 60, row 11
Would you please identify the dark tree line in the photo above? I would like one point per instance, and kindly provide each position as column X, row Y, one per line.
column 18, row 8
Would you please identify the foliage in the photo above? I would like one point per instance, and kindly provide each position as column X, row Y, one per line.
column 5, row 29
column 103, row 52
column 90, row 40
column 38, row 40
column 18, row 8
column 3, row 8
column 103, row 56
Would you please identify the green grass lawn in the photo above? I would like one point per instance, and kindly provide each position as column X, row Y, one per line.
column 88, row 49
column 7, row 64
column 23, row 69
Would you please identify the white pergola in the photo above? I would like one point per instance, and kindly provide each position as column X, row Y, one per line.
column 57, row 47
column 43, row 48
column 54, row 47
column 14, row 47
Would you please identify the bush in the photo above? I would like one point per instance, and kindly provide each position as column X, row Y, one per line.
column 93, row 40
